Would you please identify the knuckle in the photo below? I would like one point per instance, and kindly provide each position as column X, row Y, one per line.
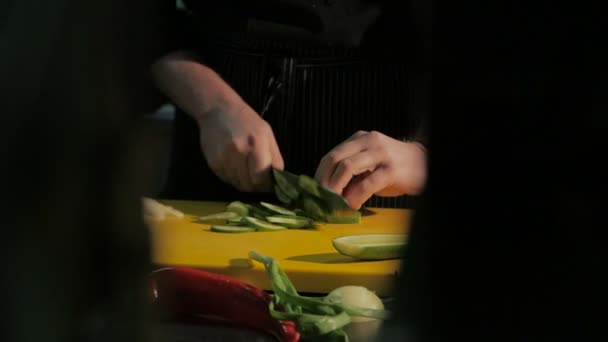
column 347, row 165
column 374, row 136
column 329, row 158
column 266, row 127
column 239, row 145
column 262, row 129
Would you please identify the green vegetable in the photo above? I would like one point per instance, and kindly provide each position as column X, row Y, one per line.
column 313, row 208
column 277, row 209
column 371, row 246
column 355, row 218
column 285, row 186
column 305, row 203
column 219, row 216
column 258, row 212
column 239, row 208
column 263, row 226
column 231, row 229
column 309, row 185
column 281, row 195
column 314, row 316
column 237, row 221
column 290, row 221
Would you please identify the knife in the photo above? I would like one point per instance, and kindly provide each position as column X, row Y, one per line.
column 291, row 187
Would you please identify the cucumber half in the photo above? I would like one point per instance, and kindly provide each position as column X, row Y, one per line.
column 371, row 246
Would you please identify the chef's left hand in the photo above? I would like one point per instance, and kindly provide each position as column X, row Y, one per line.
column 371, row 163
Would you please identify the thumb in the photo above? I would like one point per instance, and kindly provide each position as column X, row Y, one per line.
column 361, row 189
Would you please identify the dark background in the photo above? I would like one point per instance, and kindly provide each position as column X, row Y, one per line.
column 505, row 245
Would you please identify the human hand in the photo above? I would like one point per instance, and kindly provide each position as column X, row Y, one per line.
column 371, row 163
column 240, row 147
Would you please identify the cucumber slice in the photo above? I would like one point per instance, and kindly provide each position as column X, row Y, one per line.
column 302, row 213
column 278, row 209
column 371, row 246
column 281, row 194
column 288, row 189
column 240, row 208
column 313, row 208
column 258, row 212
column 309, row 185
column 355, row 218
column 290, row 221
column 237, row 221
column 227, row 215
column 263, row 226
column 231, row 229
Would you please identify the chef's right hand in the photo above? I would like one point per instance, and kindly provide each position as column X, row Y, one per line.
column 240, row 147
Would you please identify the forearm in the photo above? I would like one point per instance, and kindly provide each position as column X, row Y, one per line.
column 192, row 86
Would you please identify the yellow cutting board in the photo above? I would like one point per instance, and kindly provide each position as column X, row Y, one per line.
column 307, row 256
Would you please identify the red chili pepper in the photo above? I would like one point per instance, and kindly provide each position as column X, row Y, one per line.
column 191, row 294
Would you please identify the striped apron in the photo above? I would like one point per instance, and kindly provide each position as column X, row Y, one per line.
column 313, row 98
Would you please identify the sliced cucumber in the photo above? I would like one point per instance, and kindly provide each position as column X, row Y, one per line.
column 313, row 208
column 227, row 215
column 371, row 246
column 281, row 195
column 355, row 218
column 290, row 221
column 309, row 185
column 237, row 221
column 278, row 209
column 288, row 189
column 258, row 212
column 231, row 229
column 240, row 208
column 302, row 213
column 262, row 225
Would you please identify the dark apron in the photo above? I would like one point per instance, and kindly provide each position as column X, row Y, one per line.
column 313, row 102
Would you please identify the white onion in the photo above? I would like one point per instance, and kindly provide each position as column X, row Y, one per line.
column 156, row 211
column 355, row 296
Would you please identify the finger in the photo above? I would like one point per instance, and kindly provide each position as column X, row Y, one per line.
column 355, row 144
column 242, row 172
column 363, row 188
column 352, row 166
column 235, row 170
column 217, row 166
column 259, row 162
column 277, row 159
